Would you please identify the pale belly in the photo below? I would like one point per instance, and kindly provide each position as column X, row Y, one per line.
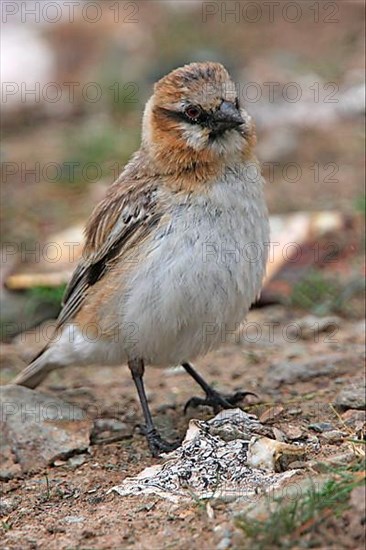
column 193, row 283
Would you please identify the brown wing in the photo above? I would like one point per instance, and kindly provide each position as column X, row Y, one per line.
column 124, row 217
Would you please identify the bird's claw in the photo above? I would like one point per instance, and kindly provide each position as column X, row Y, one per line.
column 217, row 401
column 157, row 444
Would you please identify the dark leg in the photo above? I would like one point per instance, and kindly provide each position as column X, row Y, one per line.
column 157, row 444
column 213, row 398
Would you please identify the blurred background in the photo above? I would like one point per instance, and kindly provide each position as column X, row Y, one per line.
column 75, row 78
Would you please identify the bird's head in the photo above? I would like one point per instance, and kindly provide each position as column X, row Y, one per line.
column 194, row 118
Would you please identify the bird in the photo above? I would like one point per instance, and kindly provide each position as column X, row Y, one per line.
column 165, row 266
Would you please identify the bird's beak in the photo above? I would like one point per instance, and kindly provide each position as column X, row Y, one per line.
column 227, row 117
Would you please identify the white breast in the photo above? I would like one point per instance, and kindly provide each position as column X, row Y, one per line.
column 201, row 274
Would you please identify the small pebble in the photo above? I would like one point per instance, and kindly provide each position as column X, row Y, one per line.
column 77, row 460
column 59, row 462
column 352, row 396
column 321, row 427
column 293, row 432
column 74, row 519
column 294, row 412
column 333, row 436
column 7, row 505
column 270, row 414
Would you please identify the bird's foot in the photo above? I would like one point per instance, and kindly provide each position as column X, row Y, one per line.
column 217, row 400
column 157, row 444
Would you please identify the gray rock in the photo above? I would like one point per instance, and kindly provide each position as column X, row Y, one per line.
column 293, row 432
column 289, row 373
column 38, row 429
column 321, row 427
column 333, row 436
column 8, row 505
column 77, row 460
column 352, row 397
column 8, row 466
column 295, row 411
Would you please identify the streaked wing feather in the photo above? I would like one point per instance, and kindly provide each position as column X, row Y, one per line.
column 116, row 224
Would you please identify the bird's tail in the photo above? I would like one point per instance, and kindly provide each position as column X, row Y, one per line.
column 35, row 372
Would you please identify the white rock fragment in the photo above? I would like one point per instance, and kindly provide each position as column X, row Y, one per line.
column 226, row 457
column 271, row 455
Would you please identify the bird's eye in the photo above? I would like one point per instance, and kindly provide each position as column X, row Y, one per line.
column 192, row 112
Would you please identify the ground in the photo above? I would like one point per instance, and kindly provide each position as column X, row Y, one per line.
column 67, row 506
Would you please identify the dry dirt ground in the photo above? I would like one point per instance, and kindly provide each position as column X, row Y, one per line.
column 67, row 506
